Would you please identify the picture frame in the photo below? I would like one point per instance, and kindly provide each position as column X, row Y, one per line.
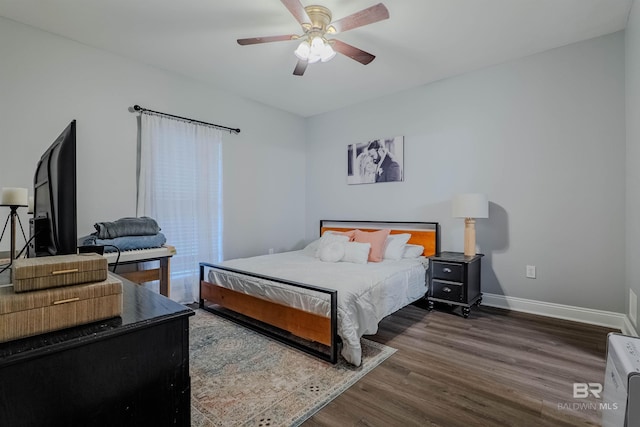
column 375, row 161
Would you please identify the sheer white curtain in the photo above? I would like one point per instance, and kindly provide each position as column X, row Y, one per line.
column 180, row 185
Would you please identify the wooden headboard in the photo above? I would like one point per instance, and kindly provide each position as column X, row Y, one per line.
column 426, row 234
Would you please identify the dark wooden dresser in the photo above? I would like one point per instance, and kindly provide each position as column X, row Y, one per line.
column 131, row 370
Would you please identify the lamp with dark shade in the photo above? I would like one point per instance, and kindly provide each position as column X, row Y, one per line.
column 470, row 206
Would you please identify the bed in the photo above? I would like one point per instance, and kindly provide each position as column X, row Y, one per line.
column 317, row 304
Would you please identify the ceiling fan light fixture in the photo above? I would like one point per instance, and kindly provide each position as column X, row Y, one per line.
column 316, row 22
column 317, row 44
column 302, row 52
column 327, row 53
column 316, row 50
column 313, row 58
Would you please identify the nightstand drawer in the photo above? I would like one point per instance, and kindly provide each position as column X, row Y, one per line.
column 447, row 271
column 447, row 291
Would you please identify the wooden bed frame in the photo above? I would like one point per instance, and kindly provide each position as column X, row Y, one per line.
column 312, row 333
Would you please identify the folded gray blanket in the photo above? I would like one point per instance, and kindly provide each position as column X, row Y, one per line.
column 124, row 243
column 143, row 226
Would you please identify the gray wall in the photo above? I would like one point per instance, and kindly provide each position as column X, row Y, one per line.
column 46, row 81
column 543, row 136
column 633, row 153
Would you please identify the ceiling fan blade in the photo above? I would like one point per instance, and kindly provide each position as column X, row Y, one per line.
column 352, row 52
column 258, row 40
column 297, row 10
column 301, row 66
column 364, row 17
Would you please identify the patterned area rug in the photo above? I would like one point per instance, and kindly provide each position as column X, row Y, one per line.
column 242, row 378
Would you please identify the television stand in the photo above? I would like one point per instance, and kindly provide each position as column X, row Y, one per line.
column 131, row 370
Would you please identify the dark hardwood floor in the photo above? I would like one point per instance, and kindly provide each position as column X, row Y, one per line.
column 496, row 368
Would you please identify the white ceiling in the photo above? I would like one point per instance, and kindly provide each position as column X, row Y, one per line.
column 422, row 41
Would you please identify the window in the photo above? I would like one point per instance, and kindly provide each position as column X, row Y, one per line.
column 180, row 186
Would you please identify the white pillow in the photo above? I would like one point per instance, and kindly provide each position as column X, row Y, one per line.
column 332, row 252
column 311, row 248
column 328, row 238
column 355, row 252
column 394, row 245
column 413, row 251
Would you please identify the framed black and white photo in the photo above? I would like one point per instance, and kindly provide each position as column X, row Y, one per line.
column 378, row 160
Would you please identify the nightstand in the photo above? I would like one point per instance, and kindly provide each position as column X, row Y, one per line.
column 455, row 279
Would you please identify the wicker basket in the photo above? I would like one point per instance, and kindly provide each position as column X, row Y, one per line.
column 32, row 313
column 29, row 274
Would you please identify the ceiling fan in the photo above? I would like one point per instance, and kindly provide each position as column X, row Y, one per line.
column 316, row 25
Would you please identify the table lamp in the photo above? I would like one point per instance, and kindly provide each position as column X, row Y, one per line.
column 470, row 206
column 14, row 198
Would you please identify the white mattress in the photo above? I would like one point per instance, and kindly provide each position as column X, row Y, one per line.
column 366, row 292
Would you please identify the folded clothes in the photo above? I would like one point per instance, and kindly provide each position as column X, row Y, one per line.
column 124, row 243
column 143, row 226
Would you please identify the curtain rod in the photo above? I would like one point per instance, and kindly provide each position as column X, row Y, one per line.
column 142, row 110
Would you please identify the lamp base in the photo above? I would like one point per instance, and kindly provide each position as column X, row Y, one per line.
column 469, row 237
column 13, row 217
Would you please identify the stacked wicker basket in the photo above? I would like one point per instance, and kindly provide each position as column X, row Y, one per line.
column 57, row 292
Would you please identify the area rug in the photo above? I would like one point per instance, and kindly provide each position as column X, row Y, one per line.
column 242, row 378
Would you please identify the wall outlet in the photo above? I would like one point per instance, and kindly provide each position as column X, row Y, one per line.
column 633, row 306
column 270, row 251
column 531, row 271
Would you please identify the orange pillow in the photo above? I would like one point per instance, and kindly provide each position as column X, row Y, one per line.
column 377, row 240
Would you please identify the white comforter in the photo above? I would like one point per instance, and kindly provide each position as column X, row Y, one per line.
column 366, row 292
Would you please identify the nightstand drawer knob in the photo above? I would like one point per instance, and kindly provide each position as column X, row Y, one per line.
column 446, row 270
column 446, row 289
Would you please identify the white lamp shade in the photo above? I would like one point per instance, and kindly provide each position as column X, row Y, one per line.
column 14, row 196
column 314, row 50
column 327, row 53
column 313, row 58
column 317, row 44
column 302, row 52
column 470, row 205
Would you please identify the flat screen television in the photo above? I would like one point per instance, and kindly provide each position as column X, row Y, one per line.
column 53, row 228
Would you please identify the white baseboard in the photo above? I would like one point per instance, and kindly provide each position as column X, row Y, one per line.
column 560, row 311
column 628, row 328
